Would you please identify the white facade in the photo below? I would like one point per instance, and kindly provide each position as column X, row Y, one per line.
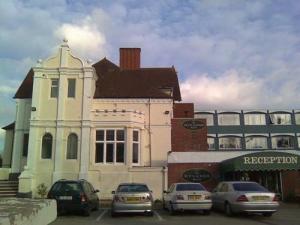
column 45, row 117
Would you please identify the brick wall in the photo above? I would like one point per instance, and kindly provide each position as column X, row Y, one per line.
column 184, row 139
column 176, row 170
column 183, row 110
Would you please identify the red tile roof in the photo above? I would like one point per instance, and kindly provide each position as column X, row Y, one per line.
column 115, row 83
column 139, row 83
column 9, row 127
column 25, row 89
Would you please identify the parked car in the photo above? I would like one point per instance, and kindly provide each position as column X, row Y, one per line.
column 242, row 196
column 74, row 195
column 187, row 196
column 132, row 198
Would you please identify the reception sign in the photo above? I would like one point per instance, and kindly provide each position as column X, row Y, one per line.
column 196, row 175
column 269, row 160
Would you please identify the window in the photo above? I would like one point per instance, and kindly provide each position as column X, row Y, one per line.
column 25, row 145
column 256, row 142
column 280, row 119
column 209, row 118
column 110, row 146
column 211, row 143
column 135, row 147
column 71, row 88
column 229, row 143
column 255, row 119
column 47, row 146
column 297, row 118
column 282, row 142
column 229, row 119
column 72, row 146
column 54, row 88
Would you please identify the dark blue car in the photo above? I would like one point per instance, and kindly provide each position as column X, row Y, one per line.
column 74, row 196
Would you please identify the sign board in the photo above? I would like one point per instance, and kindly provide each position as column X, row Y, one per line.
column 196, row 175
column 193, row 124
column 262, row 160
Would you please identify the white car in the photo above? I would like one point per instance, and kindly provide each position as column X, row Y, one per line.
column 187, row 196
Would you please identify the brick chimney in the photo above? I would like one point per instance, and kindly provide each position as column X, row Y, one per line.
column 130, row 58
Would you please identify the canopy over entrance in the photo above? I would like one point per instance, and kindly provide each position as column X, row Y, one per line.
column 260, row 161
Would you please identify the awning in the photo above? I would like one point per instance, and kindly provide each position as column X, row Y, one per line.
column 260, row 161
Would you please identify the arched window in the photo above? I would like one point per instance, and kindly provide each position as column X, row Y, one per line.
column 47, row 146
column 72, row 146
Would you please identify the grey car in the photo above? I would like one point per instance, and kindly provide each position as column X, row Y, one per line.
column 132, row 198
column 242, row 196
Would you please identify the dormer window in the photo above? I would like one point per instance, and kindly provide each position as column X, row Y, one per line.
column 54, row 88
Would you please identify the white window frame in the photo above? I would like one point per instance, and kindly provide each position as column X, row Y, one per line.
column 77, row 147
column 248, row 121
column 73, row 92
column 282, row 136
column 274, row 120
column 114, row 142
column 214, row 144
column 208, row 116
column 223, row 123
column 256, row 137
column 139, row 147
column 236, row 148
column 56, row 86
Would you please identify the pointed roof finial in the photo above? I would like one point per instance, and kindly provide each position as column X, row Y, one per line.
column 65, row 42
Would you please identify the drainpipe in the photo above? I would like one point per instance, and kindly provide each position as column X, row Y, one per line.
column 149, row 131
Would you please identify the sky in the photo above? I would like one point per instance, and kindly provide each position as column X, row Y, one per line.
column 229, row 54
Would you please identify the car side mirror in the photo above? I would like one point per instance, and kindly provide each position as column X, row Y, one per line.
column 95, row 191
column 214, row 190
column 113, row 192
column 151, row 191
column 166, row 192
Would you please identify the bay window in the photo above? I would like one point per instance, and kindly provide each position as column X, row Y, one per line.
column 229, row 143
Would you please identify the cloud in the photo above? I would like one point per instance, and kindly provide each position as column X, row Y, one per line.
column 7, row 89
column 85, row 39
column 230, row 90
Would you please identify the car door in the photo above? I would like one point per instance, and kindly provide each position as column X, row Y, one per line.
column 220, row 195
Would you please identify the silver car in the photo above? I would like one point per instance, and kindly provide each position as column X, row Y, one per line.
column 187, row 196
column 132, row 198
column 241, row 196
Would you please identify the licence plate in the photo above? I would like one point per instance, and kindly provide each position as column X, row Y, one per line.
column 194, row 197
column 260, row 198
column 133, row 199
column 65, row 198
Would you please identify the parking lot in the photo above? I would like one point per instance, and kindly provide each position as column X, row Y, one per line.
column 288, row 214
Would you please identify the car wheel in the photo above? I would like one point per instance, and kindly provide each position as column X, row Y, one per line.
column 113, row 213
column 267, row 214
column 206, row 212
column 171, row 209
column 87, row 211
column 150, row 213
column 97, row 206
column 164, row 205
column 228, row 210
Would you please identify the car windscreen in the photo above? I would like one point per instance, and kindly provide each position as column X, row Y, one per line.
column 133, row 188
column 190, row 187
column 248, row 187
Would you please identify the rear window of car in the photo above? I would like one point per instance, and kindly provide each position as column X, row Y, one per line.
column 248, row 187
column 190, row 187
column 70, row 188
column 133, row 188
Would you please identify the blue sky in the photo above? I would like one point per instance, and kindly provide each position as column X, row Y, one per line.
column 229, row 54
